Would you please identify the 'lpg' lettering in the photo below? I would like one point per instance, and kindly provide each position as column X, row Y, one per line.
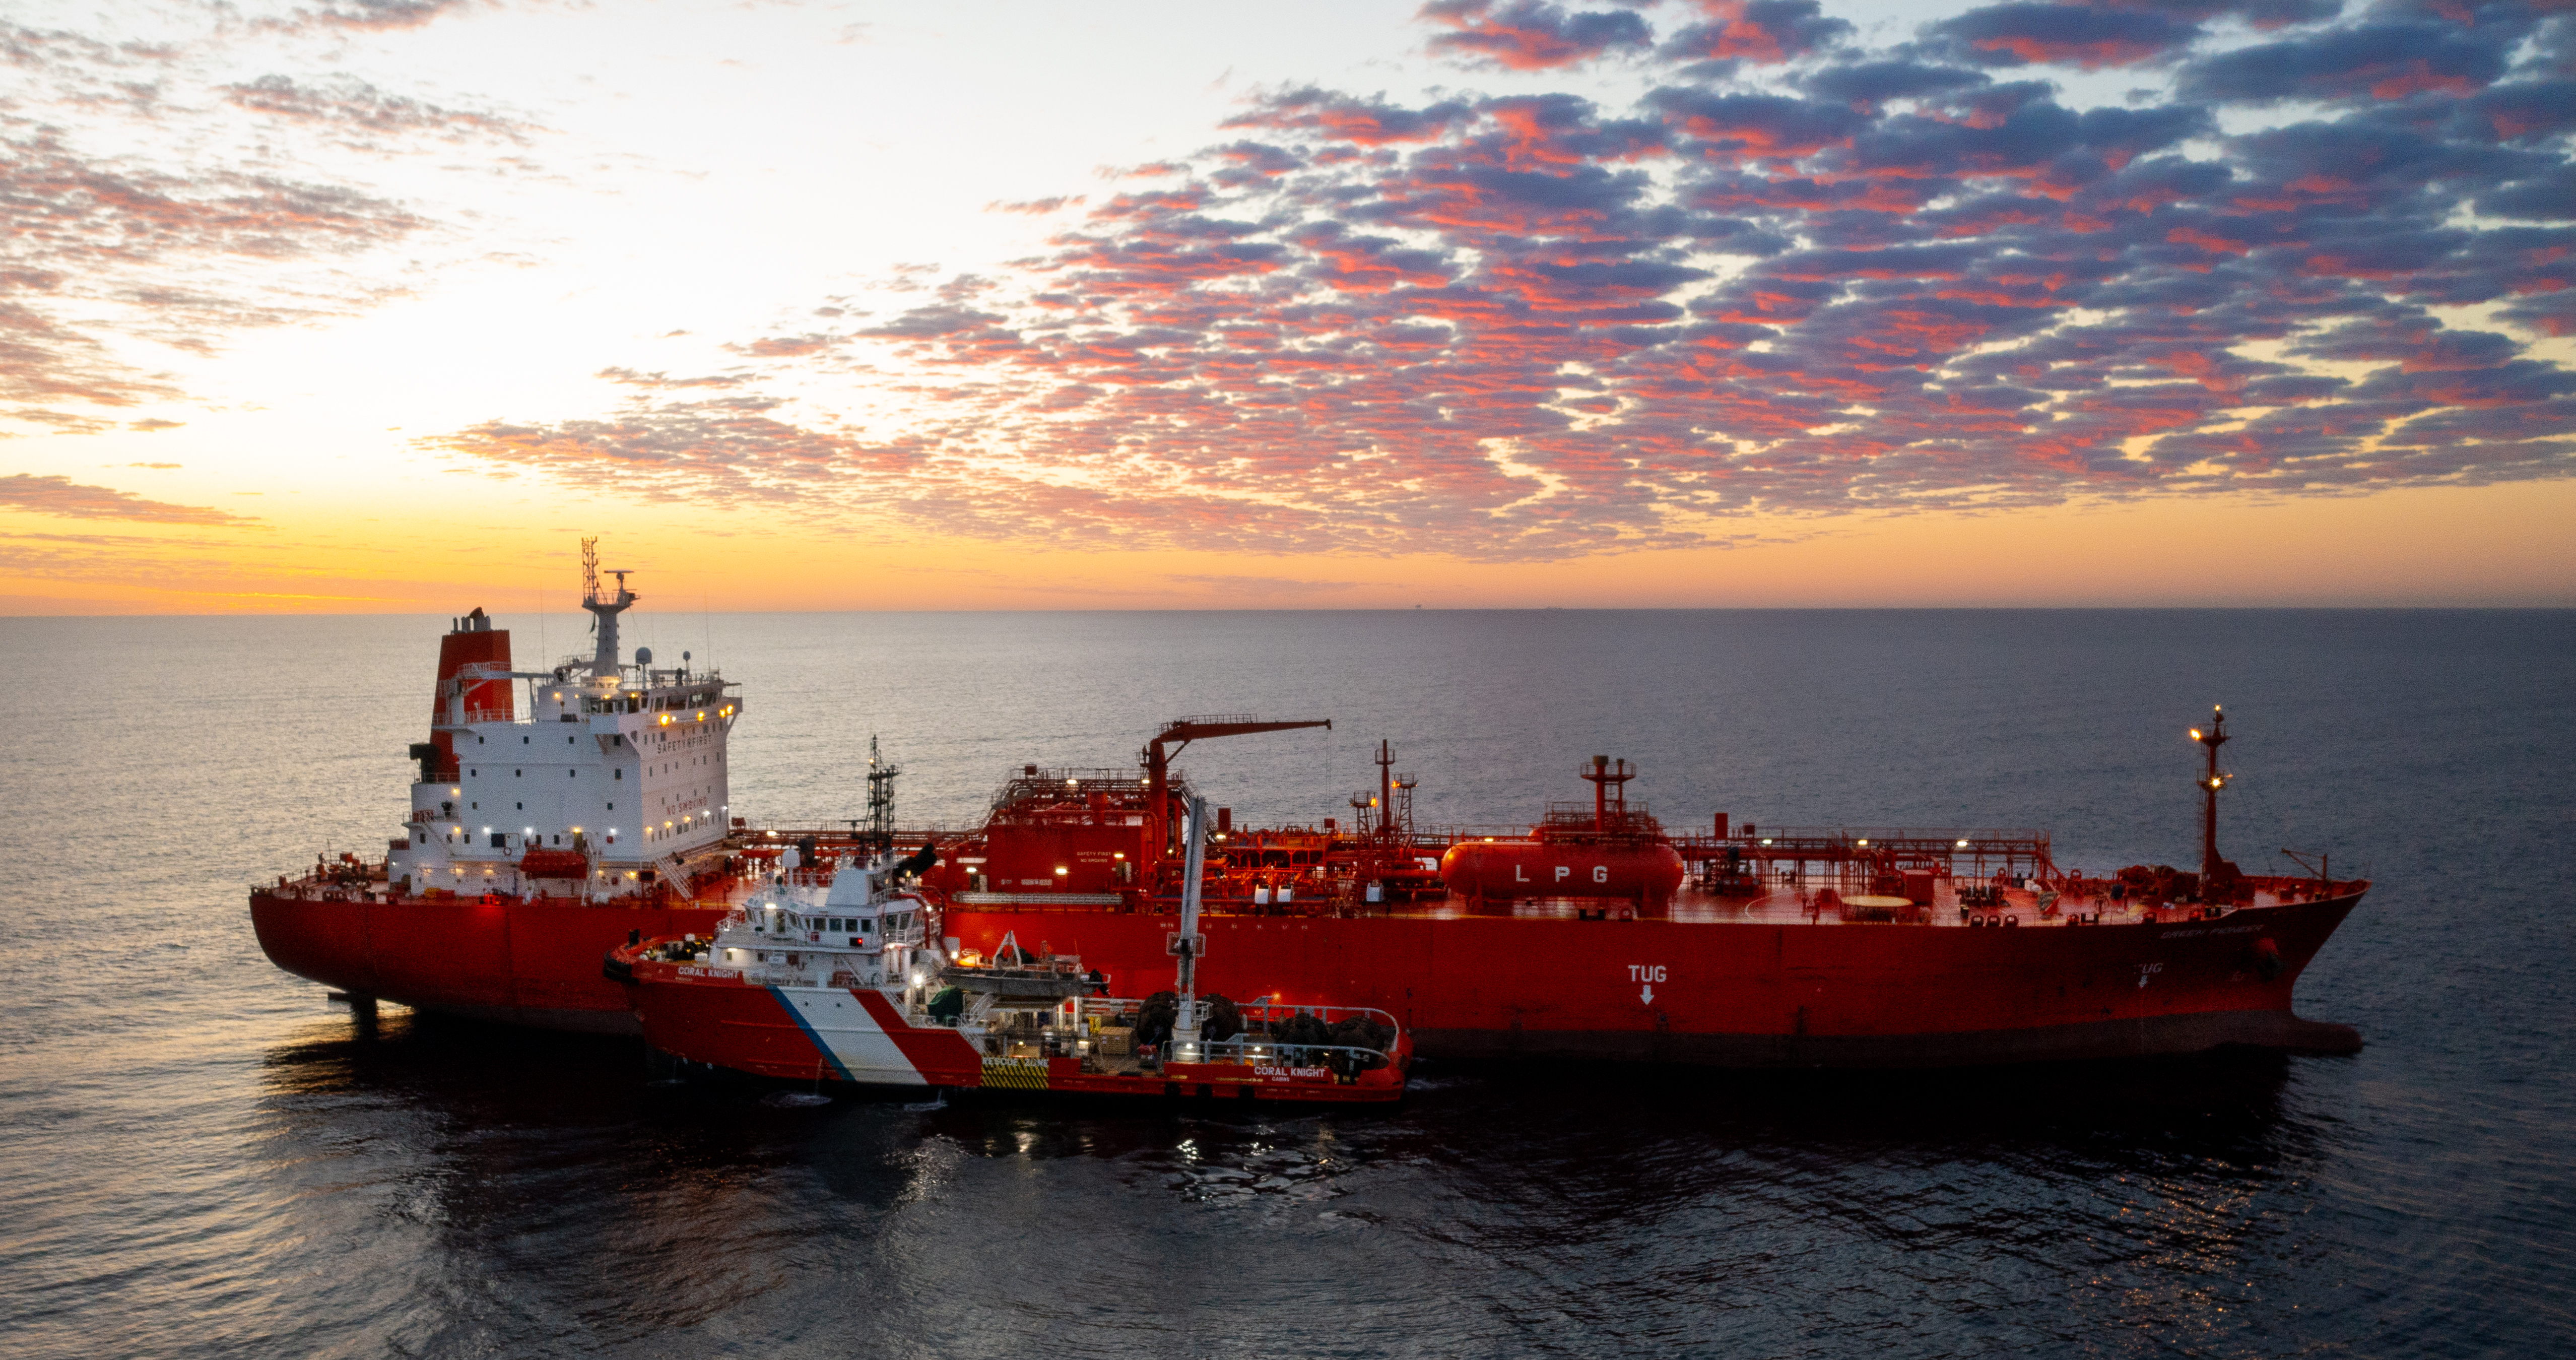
column 1600, row 873
column 1562, row 870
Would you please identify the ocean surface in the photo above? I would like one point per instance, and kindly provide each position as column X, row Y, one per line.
column 201, row 1156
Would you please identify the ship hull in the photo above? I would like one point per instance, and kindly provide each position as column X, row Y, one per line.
column 1721, row 994
column 509, row 962
column 1744, row 994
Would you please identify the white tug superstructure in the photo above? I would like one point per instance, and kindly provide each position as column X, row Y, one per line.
column 613, row 780
column 824, row 928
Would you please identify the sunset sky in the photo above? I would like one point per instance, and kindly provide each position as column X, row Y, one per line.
column 377, row 305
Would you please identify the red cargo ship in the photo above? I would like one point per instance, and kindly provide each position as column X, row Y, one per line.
column 1600, row 934
column 1596, row 932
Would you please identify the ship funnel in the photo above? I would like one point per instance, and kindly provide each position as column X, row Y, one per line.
column 468, row 657
column 604, row 606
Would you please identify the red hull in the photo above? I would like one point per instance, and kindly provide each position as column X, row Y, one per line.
column 1747, row 994
column 1727, row 994
column 511, row 962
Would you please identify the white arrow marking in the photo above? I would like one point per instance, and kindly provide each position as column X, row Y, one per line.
column 1647, row 996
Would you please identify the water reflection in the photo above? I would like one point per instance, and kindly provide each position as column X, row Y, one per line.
column 560, row 1191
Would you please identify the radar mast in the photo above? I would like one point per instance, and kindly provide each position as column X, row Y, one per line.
column 604, row 608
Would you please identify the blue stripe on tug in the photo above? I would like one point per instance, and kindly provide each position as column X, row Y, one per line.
column 819, row 1046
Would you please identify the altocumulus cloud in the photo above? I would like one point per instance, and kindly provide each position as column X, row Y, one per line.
column 65, row 497
column 148, row 200
column 1797, row 275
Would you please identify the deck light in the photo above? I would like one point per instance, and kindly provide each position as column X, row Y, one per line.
column 1864, row 840
column 2195, row 734
column 1059, row 868
column 1963, row 845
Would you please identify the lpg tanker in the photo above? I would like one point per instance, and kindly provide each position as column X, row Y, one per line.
column 540, row 837
column 1599, row 933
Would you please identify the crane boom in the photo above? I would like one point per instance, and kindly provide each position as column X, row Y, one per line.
column 1179, row 733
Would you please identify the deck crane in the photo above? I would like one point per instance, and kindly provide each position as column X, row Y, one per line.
column 1177, row 735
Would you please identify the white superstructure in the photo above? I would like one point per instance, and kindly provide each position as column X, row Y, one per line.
column 612, row 781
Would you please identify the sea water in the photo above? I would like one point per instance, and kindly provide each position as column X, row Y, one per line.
column 201, row 1155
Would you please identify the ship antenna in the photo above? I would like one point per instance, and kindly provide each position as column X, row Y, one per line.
column 604, row 608
column 880, row 834
column 2210, row 784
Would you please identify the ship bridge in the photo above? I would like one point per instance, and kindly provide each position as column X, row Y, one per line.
column 594, row 778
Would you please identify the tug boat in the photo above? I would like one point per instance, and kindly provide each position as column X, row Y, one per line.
column 843, row 983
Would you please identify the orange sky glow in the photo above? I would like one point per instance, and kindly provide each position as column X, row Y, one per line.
column 380, row 305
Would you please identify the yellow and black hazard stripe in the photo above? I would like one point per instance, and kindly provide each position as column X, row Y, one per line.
column 1016, row 1073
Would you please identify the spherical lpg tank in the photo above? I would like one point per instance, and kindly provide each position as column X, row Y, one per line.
column 1513, row 869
